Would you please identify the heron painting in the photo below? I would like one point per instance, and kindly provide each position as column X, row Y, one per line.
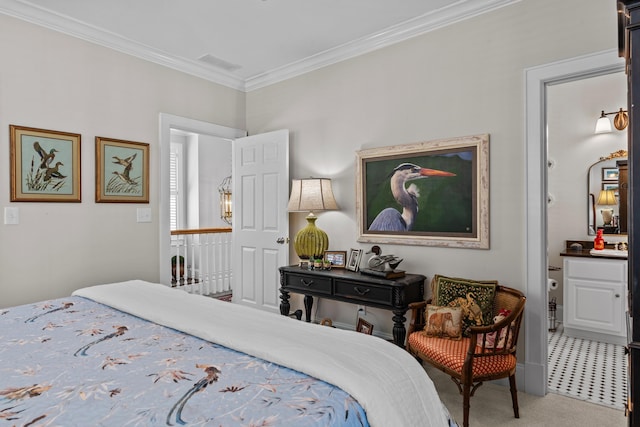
column 434, row 194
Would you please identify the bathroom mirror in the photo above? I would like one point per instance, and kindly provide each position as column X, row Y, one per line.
column 605, row 174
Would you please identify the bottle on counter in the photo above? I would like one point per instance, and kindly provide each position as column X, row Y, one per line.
column 598, row 242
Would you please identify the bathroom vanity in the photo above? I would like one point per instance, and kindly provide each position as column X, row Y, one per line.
column 594, row 296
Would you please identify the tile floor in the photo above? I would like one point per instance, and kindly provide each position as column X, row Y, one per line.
column 587, row 370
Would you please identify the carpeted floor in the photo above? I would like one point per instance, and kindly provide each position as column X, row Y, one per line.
column 587, row 370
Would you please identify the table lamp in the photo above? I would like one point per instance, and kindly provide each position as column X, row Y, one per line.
column 311, row 194
column 607, row 198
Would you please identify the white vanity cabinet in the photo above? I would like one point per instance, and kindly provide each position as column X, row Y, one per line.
column 594, row 298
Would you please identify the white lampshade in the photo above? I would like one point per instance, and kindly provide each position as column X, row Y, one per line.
column 603, row 125
column 311, row 194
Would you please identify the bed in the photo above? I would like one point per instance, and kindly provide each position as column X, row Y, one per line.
column 138, row 354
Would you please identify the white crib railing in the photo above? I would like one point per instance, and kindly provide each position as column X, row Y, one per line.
column 201, row 260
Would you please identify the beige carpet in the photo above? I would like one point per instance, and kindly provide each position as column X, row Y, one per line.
column 491, row 407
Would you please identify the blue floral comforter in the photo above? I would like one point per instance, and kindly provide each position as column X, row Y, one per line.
column 73, row 361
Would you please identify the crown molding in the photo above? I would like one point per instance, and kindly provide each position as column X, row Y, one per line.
column 456, row 12
column 63, row 24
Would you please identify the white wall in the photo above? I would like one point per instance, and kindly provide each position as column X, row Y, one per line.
column 52, row 81
column 460, row 80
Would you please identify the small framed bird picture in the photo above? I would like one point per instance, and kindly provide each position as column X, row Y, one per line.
column 122, row 171
column 45, row 165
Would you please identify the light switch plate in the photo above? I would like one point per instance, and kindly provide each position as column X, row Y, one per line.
column 11, row 216
column 144, row 214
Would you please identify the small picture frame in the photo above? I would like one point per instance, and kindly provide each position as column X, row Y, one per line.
column 353, row 262
column 45, row 165
column 122, row 171
column 337, row 259
column 610, row 174
column 364, row 327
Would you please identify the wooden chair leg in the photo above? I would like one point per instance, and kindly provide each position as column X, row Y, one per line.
column 514, row 395
column 466, row 396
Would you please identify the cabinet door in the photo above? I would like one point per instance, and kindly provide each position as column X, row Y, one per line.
column 596, row 306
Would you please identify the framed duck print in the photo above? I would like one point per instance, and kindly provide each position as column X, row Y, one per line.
column 44, row 165
column 122, row 171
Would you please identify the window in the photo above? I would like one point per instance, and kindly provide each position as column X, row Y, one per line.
column 176, row 187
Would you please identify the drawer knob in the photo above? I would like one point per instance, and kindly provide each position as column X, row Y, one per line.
column 617, row 295
column 360, row 291
column 304, row 282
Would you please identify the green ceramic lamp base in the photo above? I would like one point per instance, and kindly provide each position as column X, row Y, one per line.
column 311, row 241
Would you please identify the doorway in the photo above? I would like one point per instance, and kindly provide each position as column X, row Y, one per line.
column 587, row 369
column 536, row 81
column 168, row 123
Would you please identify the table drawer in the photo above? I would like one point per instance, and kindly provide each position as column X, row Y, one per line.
column 318, row 285
column 364, row 292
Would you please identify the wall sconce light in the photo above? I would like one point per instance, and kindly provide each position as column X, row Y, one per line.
column 607, row 198
column 620, row 121
column 224, row 189
column 311, row 194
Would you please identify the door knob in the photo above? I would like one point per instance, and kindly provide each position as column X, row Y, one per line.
column 282, row 240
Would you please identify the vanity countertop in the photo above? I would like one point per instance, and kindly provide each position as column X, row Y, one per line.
column 587, row 251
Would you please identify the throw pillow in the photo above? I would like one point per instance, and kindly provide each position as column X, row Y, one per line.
column 443, row 322
column 474, row 297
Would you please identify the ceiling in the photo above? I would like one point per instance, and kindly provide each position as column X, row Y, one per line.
column 246, row 44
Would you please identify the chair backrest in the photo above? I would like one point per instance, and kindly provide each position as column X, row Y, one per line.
column 506, row 299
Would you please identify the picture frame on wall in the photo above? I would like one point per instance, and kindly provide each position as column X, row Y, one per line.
column 433, row 193
column 610, row 174
column 122, row 171
column 44, row 165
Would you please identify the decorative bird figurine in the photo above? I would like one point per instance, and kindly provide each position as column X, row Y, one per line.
column 381, row 262
column 45, row 158
column 124, row 162
column 53, row 172
column 391, row 219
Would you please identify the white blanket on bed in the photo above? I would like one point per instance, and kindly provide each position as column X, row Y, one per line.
column 388, row 383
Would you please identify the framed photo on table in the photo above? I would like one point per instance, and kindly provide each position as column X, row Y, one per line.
column 44, row 165
column 337, row 259
column 353, row 262
column 122, row 171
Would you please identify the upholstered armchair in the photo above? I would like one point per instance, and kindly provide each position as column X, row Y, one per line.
column 485, row 351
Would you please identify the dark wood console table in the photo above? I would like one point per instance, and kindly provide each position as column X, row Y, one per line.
column 348, row 286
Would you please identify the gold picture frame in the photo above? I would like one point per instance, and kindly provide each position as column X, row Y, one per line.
column 450, row 208
column 44, row 165
column 122, row 171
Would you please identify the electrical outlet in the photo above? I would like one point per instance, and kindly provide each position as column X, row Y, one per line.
column 362, row 309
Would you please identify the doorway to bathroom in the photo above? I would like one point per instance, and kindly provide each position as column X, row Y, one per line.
column 588, row 369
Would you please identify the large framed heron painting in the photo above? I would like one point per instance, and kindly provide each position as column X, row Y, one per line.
column 433, row 193
column 122, row 171
column 45, row 165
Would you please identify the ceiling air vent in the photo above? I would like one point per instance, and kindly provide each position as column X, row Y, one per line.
column 219, row 63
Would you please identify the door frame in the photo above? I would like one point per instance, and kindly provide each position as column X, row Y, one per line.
column 168, row 122
column 536, row 80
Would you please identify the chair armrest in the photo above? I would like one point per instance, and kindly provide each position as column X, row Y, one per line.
column 417, row 320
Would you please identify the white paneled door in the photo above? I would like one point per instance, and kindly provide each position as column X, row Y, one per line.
column 260, row 219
